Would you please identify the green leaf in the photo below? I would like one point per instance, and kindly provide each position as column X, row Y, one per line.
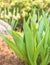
column 40, row 31
column 19, row 43
column 45, row 19
column 14, row 23
column 34, row 16
column 39, row 48
column 13, row 46
column 29, row 43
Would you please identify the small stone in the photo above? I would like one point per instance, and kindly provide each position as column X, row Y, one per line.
column 4, row 27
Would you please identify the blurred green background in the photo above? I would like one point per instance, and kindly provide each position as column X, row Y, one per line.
column 15, row 11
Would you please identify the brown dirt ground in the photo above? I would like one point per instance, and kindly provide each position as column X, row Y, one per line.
column 7, row 56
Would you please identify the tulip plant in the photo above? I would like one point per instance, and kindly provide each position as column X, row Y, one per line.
column 33, row 47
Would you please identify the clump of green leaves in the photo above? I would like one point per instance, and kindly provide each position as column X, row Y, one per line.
column 33, row 47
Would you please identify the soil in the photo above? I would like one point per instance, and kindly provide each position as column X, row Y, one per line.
column 7, row 56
